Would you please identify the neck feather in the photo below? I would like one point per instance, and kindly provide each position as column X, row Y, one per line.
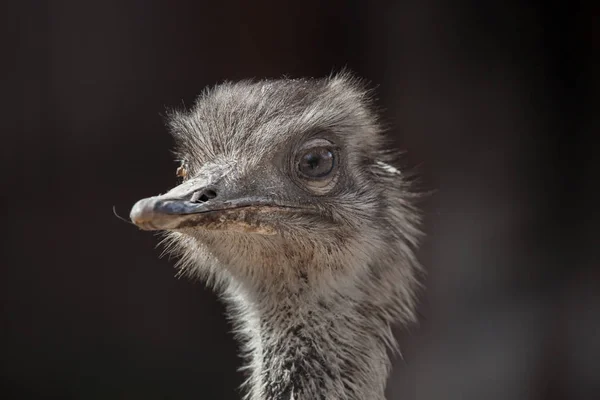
column 305, row 347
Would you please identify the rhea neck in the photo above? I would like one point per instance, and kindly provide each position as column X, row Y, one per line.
column 306, row 344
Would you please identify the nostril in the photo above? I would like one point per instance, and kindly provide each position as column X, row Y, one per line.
column 209, row 194
column 202, row 196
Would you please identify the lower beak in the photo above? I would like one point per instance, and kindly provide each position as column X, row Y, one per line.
column 162, row 213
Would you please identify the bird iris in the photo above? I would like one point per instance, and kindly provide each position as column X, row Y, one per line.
column 316, row 162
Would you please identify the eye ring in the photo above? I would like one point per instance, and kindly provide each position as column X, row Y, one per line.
column 316, row 163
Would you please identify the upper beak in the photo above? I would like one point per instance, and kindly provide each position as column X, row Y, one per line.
column 195, row 203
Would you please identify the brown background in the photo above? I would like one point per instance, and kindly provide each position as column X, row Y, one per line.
column 494, row 101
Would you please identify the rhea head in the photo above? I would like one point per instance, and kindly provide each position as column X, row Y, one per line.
column 287, row 187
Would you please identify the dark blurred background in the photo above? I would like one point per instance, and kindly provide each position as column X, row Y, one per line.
column 495, row 103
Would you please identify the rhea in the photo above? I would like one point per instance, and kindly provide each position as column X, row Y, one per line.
column 291, row 207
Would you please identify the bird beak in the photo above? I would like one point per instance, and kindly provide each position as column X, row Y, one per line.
column 196, row 204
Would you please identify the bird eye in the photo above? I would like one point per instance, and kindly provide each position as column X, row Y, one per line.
column 316, row 163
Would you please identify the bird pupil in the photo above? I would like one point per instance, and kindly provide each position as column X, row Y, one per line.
column 313, row 160
column 316, row 163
